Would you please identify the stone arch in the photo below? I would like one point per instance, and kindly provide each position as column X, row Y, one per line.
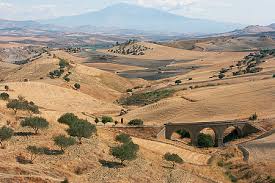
column 211, row 131
column 232, row 132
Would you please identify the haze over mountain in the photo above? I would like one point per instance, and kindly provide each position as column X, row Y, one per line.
column 128, row 16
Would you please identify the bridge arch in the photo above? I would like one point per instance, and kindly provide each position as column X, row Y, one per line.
column 231, row 133
column 219, row 127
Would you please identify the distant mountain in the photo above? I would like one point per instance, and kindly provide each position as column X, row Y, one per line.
column 253, row 29
column 128, row 16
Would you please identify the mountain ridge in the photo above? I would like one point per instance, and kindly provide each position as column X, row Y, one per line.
column 131, row 16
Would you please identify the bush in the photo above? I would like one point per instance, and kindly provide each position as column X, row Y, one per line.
column 107, row 119
column 35, row 123
column 205, row 140
column 127, row 151
column 129, row 90
column 183, row 133
column 136, row 122
column 63, row 63
column 273, row 75
column 253, row 117
column 5, row 134
column 221, row 76
column 63, row 142
column 146, row 98
column 68, row 119
column 81, row 129
column 123, row 138
column 77, row 86
column 67, row 79
column 177, row 82
column 174, row 158
column 4, row 96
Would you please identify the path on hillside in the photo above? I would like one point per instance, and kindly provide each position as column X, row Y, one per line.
column 162, row 148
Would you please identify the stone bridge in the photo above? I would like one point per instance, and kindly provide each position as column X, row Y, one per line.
column 243, row 128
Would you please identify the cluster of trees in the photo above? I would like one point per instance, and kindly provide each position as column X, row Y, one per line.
column 129, row 48
column 58, row 72
column 22, row 104
column 78, row 128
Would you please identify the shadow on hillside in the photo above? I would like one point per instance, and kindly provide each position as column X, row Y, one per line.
column 24, row 134
column 22, row 160
column 51, row 152
column 110, row 164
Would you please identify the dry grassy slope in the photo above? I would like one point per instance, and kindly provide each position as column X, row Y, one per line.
column 86, row 158
column 212, row 103
column 159, row 52
column 262, row 149
column 223, row 43
column 33, row 70
column 55, row 98
column 99, row 84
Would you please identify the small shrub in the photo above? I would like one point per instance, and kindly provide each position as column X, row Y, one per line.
column 221, row 76
column 177, row 82
column 35, row 123
column 253, row 117
column 183, row 134
column 81, row 129
column 5, row 134
column 67, row 79
column 4, row 96
column 107, row 119
column 273, row 75
column 63, row 142
column 68, row 119
column 123, row 138
column 129, row 90
column 136, row 122
column 174, row 158
column 205, row 140
column 63, row 63
column 77, row 86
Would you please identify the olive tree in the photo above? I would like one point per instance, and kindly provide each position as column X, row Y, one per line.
column 81, row 129
column 63, row 142
column 4, row 96
column 68, row 119
column 127, row 151
column 5, row 134
column 123, row 138
column 35, row 151
column 35, row 123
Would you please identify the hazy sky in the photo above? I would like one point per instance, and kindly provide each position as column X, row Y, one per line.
column 239, row 11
